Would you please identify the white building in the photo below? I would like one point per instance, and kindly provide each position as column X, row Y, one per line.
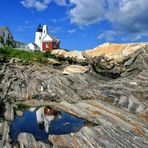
column 45, row 115
column 20, row 45
column 33, row 47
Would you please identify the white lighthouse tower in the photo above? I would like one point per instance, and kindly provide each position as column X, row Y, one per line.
column 38, row 36
column 45, row 30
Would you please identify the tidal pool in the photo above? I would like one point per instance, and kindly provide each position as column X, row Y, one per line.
column 45, row 121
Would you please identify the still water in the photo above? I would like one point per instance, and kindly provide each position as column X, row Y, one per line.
column 44, row 121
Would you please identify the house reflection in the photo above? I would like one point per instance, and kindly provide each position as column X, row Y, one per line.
column 45, row 115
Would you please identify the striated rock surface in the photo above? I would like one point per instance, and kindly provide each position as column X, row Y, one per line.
column 114, row 127
column 4, row 135
column 28, row 141
column 112, row 95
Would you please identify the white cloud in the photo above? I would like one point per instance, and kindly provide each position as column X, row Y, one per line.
column 72, row 31
column 41, row 5
column 23, row 28
column 37, row 4
column 53, row 29
column 86, row 12
column 125, row 16
column 61, row 2
column 108, row 36
column 128, row 16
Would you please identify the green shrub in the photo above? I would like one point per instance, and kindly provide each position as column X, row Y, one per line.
column 48, row 55
column 1, row 40
column 22, row 107
column 25, row 55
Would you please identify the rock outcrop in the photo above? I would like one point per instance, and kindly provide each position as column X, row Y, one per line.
column 114, row 60
column 111, row 60
column 117, row 107
column 114, row 127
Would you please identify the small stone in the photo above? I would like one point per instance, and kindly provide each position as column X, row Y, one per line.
column 14, row 60
column 19, row 113
column 134, row 83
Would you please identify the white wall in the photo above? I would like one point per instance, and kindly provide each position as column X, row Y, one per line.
column 31, row 46
column 38, row 36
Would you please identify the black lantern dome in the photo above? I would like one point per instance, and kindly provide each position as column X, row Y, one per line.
column 39, row 28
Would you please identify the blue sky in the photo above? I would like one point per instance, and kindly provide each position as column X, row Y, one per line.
column 79, row 24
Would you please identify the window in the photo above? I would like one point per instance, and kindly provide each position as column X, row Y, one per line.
column 39, row 38
column 47, row 45
column 3, row 34
column 54, row 45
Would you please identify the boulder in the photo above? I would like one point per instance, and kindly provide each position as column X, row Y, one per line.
column 14, row 60
column 76, row 56
column 75, row 69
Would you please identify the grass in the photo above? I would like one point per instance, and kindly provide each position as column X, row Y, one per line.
column 25, row 55
column 22, row 107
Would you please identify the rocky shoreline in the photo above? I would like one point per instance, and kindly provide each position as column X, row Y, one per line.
column 111, row 91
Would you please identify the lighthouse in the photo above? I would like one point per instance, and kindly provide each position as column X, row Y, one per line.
column 38, row 36
column 45, row 41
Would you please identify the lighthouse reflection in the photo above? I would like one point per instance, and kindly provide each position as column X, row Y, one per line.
column 45, row 115
column 45, row 121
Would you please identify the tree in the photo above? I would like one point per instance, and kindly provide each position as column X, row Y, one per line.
column 1, row 40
